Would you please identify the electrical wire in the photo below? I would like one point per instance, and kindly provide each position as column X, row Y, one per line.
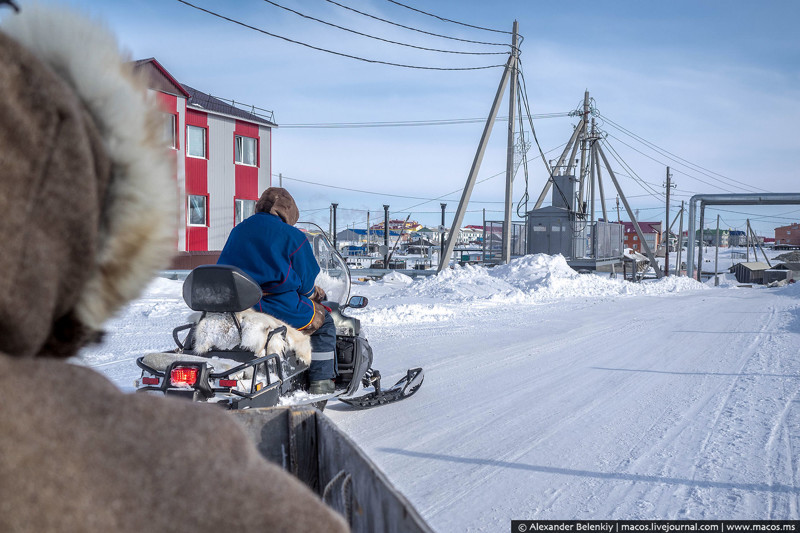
column 530, row 117
column 349, row 189
column 411, row 123
column 341, row 54
column 309, row 17
column 444, row 196
column 645, row 185
column 678, row 159
column 414, row 29
column 662, row 163
column 448, row 20
column 525, row 197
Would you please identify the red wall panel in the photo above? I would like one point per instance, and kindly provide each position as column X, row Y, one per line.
column 246, row 176
column 197, row 183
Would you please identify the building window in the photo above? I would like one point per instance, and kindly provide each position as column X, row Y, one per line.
column 635, row 237
column 246, row 150
column 243, row 209
column 197, row 210
column 169, row 130
column 195, row 141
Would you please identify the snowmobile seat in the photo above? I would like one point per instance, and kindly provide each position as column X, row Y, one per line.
column 220, row 289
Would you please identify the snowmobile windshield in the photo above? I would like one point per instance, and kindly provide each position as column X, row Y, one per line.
column 334, row 276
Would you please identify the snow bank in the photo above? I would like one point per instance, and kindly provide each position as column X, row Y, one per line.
column 532, row 278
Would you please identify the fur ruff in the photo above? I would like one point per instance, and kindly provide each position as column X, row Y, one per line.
column 139, row 218
column 218, row 330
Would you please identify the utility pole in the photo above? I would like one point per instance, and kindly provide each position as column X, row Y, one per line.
column 280, row 180
column 334, row 206
column 441, row 236
column 702, row 242
column 385, row 236
column 634, row 219
column 680, row 244
column 476, row 162
column 716, row 258
column 619, row 220
column 483, row 253
column 584, row 145
column 748, row 241
column 368, row 239
column 512, row 109
column 669, row 186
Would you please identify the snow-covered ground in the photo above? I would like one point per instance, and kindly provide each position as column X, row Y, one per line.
column 551, row 394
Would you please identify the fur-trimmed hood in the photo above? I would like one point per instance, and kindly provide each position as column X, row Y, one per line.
column 88, row 196
column 278, row 201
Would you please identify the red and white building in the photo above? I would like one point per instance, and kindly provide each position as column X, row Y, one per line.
column 650, row 230
column 223, row 161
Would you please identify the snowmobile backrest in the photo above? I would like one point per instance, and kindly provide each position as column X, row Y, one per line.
column 220, row 289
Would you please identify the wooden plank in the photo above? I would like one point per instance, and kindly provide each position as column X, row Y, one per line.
column 306, row 443
column 354, row 486
column 303, row 455
column 269, row 429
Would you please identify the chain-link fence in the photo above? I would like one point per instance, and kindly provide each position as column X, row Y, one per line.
column 493, row 240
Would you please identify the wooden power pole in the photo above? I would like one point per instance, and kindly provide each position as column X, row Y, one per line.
column 511, row 67
column 668, row 185
column 512, row 108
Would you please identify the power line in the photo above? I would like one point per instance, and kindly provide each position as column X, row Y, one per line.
column 662, row 163
column 530, row 117
column 309, row 17
column 411, row 123
column 448, row 20
column 425, row 201
column 414, row 29
column 645, row 185
column 341, row 54
column 678, row 159
column 349, row 189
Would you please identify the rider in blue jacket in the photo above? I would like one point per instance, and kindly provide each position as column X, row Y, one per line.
column 278, row 256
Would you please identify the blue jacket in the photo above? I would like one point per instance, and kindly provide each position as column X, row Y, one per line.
column 279, row 257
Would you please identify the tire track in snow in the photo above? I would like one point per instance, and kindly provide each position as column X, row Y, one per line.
column 569, row 416
column 666, row 449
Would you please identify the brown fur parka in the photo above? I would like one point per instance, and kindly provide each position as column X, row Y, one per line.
column 88, row 203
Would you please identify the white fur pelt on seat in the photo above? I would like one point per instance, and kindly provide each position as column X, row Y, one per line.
column 218, row 330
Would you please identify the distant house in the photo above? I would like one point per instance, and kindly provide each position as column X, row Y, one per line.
column 709, row 237
column 470, row 234
column 737, row 238
column 752, row 272
column 357, row 235
column 788, row 235
column 650, row 230
column 429, row 234
column 398, row 225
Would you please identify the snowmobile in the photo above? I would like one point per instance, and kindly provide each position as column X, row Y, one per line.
column 241, row 378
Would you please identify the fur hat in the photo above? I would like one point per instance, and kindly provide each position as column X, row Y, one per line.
column 278, row 201
column 89, row 196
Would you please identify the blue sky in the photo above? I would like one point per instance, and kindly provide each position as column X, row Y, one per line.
column 715, row 83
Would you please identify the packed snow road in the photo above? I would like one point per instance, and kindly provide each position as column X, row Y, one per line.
column 553, row 395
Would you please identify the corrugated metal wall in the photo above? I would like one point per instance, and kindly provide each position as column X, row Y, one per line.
column 222, row 182
column 265, row 170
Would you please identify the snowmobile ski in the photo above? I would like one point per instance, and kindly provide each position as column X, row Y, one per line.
column 404, row 388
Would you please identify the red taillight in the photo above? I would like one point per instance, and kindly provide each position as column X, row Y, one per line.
column 183, row 376
column 228, row 383
column 150, row 381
